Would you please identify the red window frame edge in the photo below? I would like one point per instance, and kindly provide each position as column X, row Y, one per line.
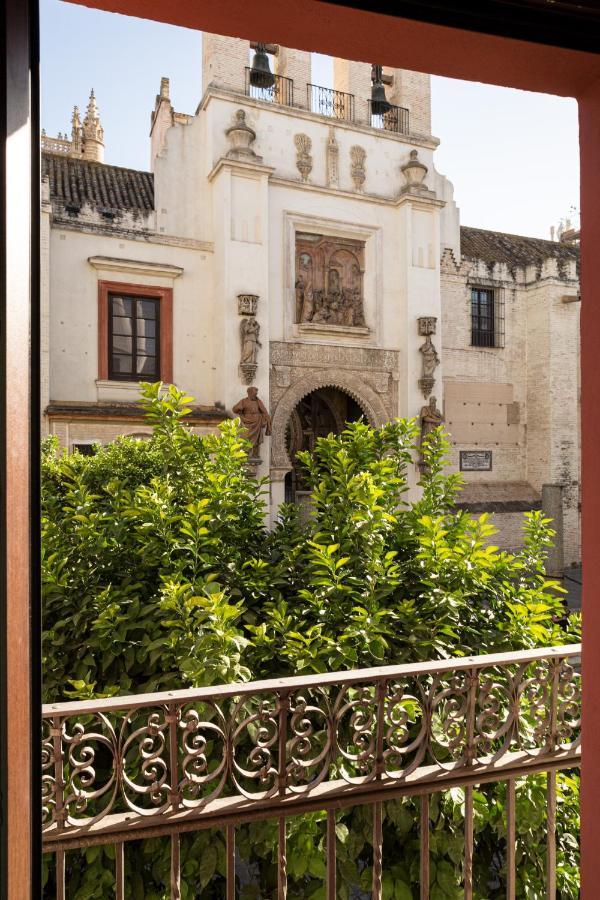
column 164, row 295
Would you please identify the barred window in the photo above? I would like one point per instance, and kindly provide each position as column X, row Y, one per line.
column 487, row 318
column 133, row 351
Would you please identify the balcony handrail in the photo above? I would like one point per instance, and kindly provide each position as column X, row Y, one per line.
column 130, row 768
column 330, row 102
column 343, row 677
column 395, row 120
column 281, row 92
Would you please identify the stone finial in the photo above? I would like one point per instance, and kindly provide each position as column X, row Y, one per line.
column 76, row 133
column 414, row 172
column 164, row 88
column 303, row 158
column 93, row 133
column 358, row 156
column 241, row 137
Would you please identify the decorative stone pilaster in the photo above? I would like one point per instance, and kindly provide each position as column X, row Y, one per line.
column 333, row 160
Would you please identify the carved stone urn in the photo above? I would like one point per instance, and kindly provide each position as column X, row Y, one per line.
column 241, row 137
column 414, row 171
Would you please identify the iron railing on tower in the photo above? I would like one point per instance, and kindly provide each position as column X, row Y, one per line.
column 395, row 119
column 137, row 767
column 281, row 91
column 331, row 103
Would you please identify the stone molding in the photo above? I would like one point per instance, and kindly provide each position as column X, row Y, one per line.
column 134, row 266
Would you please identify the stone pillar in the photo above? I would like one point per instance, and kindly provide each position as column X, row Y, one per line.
column 295, row 64
column 552, row 507
column 224, row 61
column 354, row 78
column 413, row 91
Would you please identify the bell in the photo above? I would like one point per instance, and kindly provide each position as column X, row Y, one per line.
column 379, row 102
column 260, row 73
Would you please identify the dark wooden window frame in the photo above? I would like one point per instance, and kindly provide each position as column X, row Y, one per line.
column 165, row 331
column 134, row 375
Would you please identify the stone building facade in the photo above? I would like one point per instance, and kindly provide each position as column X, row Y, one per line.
column 288, row 239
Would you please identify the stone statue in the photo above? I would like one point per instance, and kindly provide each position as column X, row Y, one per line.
column 255, row 418
column 249, row 331
column 431, row 418
column 430, row 357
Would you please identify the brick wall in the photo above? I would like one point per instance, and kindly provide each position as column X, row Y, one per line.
column 295, row 64
column 354, row 78
column 413, row 91
column 224, row 61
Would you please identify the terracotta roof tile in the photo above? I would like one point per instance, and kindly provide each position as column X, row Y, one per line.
column 513, row 249
column 82, row 181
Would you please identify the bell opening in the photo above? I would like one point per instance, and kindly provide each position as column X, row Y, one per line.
column 260, row 72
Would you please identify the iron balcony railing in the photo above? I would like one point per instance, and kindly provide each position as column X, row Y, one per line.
column 282, row 90
column 129, row 768
column 395, row 119
column 327, row 102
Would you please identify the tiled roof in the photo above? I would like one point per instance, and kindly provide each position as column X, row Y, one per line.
column 512, row 249
column 498, row 496
column 79, row 182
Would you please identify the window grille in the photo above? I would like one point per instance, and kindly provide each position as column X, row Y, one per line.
column 487, row 317
column 133, row 338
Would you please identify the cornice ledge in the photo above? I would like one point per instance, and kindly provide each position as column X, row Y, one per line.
column 241, row 165
column 135, row 266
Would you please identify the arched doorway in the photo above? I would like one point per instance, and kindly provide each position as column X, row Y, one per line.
column 321, row 412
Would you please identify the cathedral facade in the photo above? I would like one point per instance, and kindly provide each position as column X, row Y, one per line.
column 294, row 257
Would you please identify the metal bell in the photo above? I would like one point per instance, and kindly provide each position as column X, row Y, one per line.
column 379, row 102
column 260, row 73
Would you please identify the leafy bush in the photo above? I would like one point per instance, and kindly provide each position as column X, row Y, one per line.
column 159, row 573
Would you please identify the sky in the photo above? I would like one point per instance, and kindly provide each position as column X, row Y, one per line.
column 512, row 156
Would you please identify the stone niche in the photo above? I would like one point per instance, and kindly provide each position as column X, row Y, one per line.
column 329, row 279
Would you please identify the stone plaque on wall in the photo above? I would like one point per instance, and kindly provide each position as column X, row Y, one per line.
column 329, row 281
column 475, row 460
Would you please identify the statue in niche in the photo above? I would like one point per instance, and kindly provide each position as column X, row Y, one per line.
column 329, row 281
column 255, row 418
column 430, row 357
column 431, row 418
column 249, row 331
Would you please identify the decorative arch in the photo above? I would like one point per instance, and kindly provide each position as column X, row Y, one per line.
column 370, row 403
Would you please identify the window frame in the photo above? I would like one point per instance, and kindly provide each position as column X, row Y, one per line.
column 164, row 296
column 494, row 337
column 114, row 375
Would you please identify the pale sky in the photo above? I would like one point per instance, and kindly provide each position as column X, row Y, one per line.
column 511, row 155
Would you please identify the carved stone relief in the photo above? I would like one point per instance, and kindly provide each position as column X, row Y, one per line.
column 427, row 325
column 329, row 281
column 249, row 332
column 247, row 304
column 333, row 160
column 358, row 156
column 303, row 158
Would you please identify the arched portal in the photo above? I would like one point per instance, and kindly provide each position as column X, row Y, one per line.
column 322, row 412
